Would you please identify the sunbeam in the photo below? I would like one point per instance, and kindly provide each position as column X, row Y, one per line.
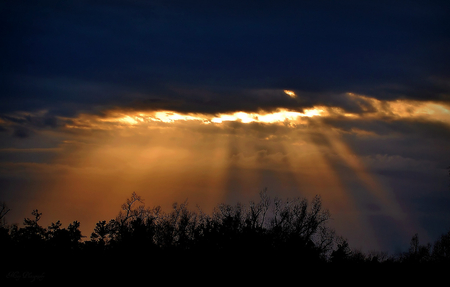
column 378, row 194
column 171, row 156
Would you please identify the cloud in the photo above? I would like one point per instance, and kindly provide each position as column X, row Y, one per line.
column 211, row 57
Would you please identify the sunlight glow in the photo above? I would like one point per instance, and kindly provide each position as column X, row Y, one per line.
column 280, row 116
column 131, row 119
column 371, row 108
column 290, row 93
column 399, row 109
column 168, row 117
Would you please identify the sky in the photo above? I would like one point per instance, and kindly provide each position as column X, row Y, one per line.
column 213, row 101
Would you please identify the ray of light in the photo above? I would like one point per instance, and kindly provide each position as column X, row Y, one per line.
column 203, row 156
column 326, row 177
column 376, row 189
column 371, row 109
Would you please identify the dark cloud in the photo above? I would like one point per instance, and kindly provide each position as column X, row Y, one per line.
column 42, row 120
column 24, row 123
column 21, row 132
column 209, row 56
column 412, row 139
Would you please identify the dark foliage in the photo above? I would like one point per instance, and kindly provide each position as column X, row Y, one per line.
column 294, row 228
column 267, row 235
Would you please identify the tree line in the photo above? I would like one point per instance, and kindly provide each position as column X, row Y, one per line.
column 291, row 230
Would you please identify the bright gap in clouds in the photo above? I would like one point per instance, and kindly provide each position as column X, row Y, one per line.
column 136, row 118
column 290, row 93
column 371, row 108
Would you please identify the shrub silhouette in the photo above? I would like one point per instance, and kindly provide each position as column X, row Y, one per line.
column 441, row 249
column 291, row 232
column 294, row 228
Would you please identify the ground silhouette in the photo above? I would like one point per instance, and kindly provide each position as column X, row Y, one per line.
column 270, row 234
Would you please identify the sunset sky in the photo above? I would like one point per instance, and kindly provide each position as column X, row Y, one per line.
column 213, row 101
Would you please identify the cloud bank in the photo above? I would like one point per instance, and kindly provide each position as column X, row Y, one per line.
column 211, row 57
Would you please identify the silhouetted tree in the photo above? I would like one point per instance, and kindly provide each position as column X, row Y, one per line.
column 417, row 253
column 355, row 256
column 298, row 226
column 5, row 238
column 32, row 232
column 343, row 253
column 100, row 233
column 129, row 212
column 325, row 239
column 293, row 232
column 3, row 211
column 74, row 233
column 441, row 249
column 378, row 257
column 256, row 215
column 63, row 238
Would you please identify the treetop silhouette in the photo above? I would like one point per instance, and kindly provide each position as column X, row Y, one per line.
column 291, row 230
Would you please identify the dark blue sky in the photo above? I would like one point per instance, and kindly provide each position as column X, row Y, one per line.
column 206, row 55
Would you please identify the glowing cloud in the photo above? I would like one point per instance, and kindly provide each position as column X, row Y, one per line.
column 290, row 93
column 132, row 119
column 371, row 109
column 400, row 109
